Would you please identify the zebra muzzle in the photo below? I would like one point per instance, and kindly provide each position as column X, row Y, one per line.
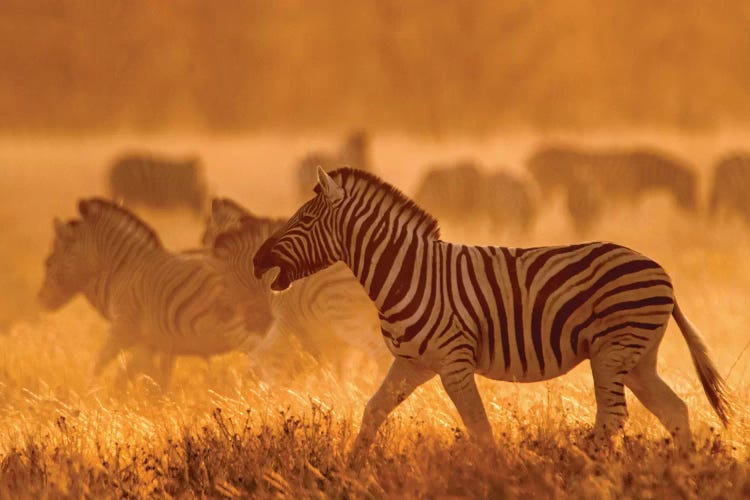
column 263, row 260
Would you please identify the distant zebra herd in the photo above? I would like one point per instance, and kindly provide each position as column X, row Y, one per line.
column 588, row 180
column 463, row 193
column 361, row 265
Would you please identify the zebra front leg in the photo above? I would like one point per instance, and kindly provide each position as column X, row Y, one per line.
column 460, row 385
column 401, row 380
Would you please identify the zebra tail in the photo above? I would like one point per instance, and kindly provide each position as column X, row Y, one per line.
column 712, row 381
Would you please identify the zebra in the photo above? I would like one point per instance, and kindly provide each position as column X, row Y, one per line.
column 588, row 178
column 461, row 193
column 452, row 192
column 323, row 313
column 142, row 178
column 730, row 187
column 157, row 302
column 355, row 152
column 515, row 314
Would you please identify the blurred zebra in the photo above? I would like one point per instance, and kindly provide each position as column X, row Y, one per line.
column 731, row 186
column 452, row 193
column 355, row 153
column 462, row 195
column 158, row 302
column 323, row 313
column 156, row 182
column 589, row 178
column 516, row 314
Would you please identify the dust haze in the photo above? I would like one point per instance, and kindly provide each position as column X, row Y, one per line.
column 251, row 88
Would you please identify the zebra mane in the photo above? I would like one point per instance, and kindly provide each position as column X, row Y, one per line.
column 252, row 226
column 228, row 204
column 127, row 223
column 342, row 175
column 246, row 220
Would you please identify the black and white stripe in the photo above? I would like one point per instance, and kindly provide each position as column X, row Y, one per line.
column 156, row 301
column 324, row 313
column 521, row 314
column 158, row 182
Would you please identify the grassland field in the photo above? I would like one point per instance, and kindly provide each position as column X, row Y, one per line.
column 222, row 432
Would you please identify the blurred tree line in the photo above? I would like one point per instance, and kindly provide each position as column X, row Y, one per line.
column 415, row 65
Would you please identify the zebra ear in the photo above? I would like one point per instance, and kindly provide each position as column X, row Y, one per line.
column 332, row 191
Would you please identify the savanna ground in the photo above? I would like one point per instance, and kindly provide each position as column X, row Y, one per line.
column 220, row 431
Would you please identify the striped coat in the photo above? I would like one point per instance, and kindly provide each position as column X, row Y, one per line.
column 508, row 314
column 590, row 179
column 463, row 195
column 156, row 301
column 324, row 313
column 157, row 182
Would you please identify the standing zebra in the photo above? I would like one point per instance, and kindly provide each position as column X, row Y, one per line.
column 355, row 153
column 462, row 195
column 142, row 178
column 157, row 302
column 324, row 312
column 453, row 192
column 589, row 178
column 731, row 185
column 505, row 313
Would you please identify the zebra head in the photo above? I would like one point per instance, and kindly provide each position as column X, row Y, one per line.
column 309, row 242
column 226, row 215
column 65, row 267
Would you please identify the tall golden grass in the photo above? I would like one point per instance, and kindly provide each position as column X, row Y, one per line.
column 219, row 431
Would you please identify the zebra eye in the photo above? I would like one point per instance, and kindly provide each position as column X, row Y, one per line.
column 306, row 218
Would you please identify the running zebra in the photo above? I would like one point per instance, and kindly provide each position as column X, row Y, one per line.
column 515, row 314
column 157, row 302
column 731, row 185
column 590, row 178
column 142, row 178
column 355, row 152
column 324, row 313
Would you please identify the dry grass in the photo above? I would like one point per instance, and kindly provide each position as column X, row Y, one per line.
column 221, row 432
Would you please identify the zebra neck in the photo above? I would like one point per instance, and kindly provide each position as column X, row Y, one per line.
column 390, row 267
column 117, row 273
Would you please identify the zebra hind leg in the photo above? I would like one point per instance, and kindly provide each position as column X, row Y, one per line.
column 610, row 364
column 660, row 400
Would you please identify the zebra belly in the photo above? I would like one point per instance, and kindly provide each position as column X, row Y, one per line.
column 532, row 374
